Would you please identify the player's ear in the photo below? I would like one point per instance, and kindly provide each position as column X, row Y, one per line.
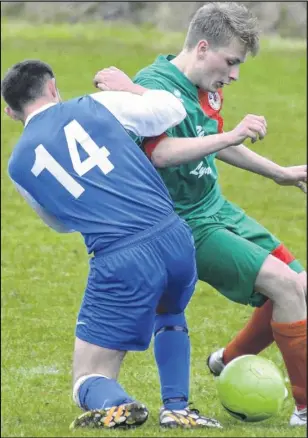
column 11, row 113
column 54, row 90
column 202, row 48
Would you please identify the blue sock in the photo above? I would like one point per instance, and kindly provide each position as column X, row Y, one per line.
column 172, row 354
column 101, row 393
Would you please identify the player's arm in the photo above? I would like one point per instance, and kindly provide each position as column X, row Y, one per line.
column 141, row 111
column 244, row 158
column 169, row 151
column 47, row 218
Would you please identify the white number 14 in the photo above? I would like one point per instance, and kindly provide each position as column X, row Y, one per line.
column 74, row 133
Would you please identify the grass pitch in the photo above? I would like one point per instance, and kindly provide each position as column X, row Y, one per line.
column 44, row 274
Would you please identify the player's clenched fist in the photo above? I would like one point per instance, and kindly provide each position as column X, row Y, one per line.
column 252, row 127
column 112, row 79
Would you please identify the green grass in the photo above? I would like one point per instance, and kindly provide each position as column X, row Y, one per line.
column 44, row 274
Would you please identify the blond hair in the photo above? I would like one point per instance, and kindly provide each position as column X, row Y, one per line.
column 220, row 22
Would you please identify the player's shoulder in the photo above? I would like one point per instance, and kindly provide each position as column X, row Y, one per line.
column 151, row 77
column 153, row 82
column 75, row 101
column 77, row 105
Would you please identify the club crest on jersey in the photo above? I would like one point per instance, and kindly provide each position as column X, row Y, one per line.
column 214, row 100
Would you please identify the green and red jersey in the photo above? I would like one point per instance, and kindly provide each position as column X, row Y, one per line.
column 193, row 186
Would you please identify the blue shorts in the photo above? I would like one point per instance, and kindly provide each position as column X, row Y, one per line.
column 127, row 282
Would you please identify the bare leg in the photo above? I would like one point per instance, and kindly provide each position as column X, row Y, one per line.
column 286, row 290
column 92, row 359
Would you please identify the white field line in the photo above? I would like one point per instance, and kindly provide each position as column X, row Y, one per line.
column 43, row 370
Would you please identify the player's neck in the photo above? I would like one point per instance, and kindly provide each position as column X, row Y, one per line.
column 183, row 62
column 35, row 106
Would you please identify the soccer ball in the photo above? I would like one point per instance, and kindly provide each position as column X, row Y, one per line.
column 251, row 388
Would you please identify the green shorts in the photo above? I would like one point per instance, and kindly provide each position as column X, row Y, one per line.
column 231, row 248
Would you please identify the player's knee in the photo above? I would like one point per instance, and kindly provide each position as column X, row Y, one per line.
column 170, row 322
column 292, row 285
column 297, row 293
column 175, row 307
column 291, row 303
column 292, row 292
column 296, row 297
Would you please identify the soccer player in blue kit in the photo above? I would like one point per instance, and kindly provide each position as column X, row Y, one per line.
column 78, row 167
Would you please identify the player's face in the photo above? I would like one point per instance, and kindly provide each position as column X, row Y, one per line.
column 219, row 67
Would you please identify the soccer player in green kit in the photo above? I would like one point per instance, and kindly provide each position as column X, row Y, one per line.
column 235, row 254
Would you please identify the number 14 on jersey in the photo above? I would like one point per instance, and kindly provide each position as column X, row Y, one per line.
column 74, row 133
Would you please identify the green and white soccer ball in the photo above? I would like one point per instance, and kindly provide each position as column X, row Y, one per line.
column 251, row 388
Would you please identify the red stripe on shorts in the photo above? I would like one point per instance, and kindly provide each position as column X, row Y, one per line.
column 283, row 254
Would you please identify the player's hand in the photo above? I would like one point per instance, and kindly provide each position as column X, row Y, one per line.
column 293, row 176
column 112, row 79
column 252, row 126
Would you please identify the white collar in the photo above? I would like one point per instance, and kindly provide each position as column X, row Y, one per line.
column 34, row 113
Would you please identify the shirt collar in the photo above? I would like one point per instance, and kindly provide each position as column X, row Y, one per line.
column 41, row 109
column 172, row 71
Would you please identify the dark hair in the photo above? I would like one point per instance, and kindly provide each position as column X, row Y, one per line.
column 24, row 82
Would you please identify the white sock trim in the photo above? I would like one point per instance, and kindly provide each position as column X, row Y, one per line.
column 78, row 384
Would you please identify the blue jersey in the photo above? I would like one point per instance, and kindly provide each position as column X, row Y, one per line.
column 79, row 163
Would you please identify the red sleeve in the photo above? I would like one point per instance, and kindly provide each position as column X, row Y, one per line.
column 150, row 144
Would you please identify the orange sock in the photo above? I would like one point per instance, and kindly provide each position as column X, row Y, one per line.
column 292, row 342
column 254, row 337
